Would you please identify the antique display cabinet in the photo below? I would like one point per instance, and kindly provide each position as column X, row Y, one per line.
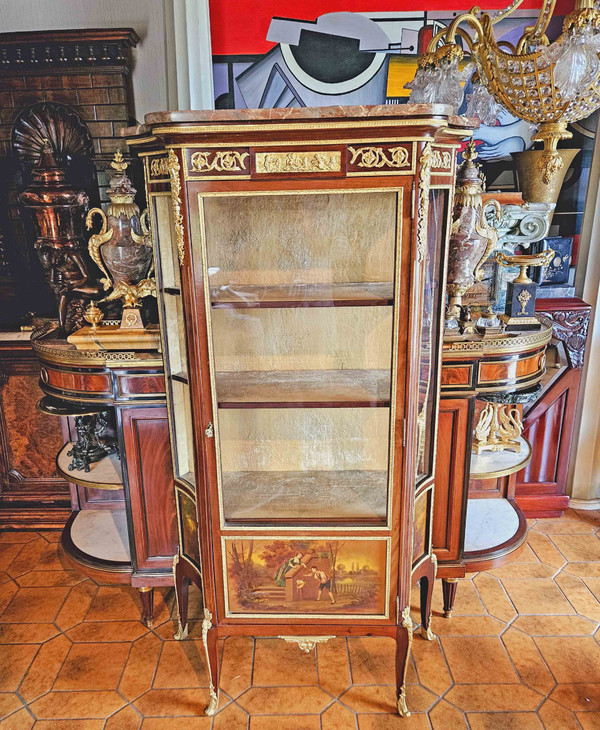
column 300, row 262
column 117, row 458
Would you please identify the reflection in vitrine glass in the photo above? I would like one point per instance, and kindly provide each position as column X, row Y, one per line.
column 433, row 276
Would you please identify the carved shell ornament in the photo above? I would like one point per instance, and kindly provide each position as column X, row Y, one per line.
column 57, row 123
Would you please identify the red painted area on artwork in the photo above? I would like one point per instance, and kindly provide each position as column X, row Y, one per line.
column 240, row 27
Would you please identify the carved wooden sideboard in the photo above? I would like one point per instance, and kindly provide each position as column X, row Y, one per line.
column 122, row 525
column 478, row 522
column 553, row 359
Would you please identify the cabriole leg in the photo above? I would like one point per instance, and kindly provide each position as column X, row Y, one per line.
column 449, row 586
column 209, row 639
column 426, row 583
column 404, row 635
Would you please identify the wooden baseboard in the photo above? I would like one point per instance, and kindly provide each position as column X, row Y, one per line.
column 34, row 518
column 584, row 503
column 543, row 505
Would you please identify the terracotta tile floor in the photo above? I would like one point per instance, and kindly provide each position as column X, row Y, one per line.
column 522, row 651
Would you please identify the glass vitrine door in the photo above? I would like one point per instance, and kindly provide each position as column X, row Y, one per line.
column 302, row 306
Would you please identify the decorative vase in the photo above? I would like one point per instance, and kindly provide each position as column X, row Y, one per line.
column 122, row 249
column 541, row 173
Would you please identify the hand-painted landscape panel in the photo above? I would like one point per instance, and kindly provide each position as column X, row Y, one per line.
column 308, row 576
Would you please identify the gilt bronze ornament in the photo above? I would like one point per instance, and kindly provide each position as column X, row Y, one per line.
column 472, row 238
column 96, row 438
column 547, row 84
column 521, row 292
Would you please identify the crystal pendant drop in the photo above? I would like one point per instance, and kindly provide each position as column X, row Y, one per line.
column 439, row 84
column 481, row 104
column 575, row 59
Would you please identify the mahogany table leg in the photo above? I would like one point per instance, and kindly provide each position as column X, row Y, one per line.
column 449, row 586
column 404, row 636
column 426, row 583
column 147, row 598
column 209, row 639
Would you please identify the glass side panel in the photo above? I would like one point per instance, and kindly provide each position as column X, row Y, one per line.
column 174, row 333
column 183, row 433
column 173, row 337
column 430, row 332
column 301, row 292
column 165, row 236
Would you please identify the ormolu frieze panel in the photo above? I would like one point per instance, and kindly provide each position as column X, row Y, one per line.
column 373, row 158
column 65, row 382
column 295, row 161
column 513, row 371
column 158, row 168
column 442, row 160
column 217, row 163
column 456, row 376
column 393, row 158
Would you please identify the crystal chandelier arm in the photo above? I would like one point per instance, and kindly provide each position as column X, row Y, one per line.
column 507, row 45
column 535, row 33
column 449, row 34
column 501, row 14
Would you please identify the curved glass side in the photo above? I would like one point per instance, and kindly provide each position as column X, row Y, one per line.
column 172, row 328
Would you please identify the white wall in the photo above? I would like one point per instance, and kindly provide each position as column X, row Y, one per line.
column 147, row 17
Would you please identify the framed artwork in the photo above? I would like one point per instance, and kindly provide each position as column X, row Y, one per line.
column 188, row 527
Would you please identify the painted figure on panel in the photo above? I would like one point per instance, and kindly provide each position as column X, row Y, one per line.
column 306, row 576
column 285, row 567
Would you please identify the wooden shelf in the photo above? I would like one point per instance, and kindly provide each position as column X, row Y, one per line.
column 490, row 522
column 494, row 464
column 268, row 496
column 180, row 378
column 304, row 389
column 363, row 294
column 56, row 407
column 103, row 474
column 495, row 528
column 97, row 541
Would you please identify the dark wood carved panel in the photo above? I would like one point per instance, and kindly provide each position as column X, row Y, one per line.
column 32, row 436
column 31, row 492
column 570, row 322
column 545, row 433
column 451, row 476
column 151, row 487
